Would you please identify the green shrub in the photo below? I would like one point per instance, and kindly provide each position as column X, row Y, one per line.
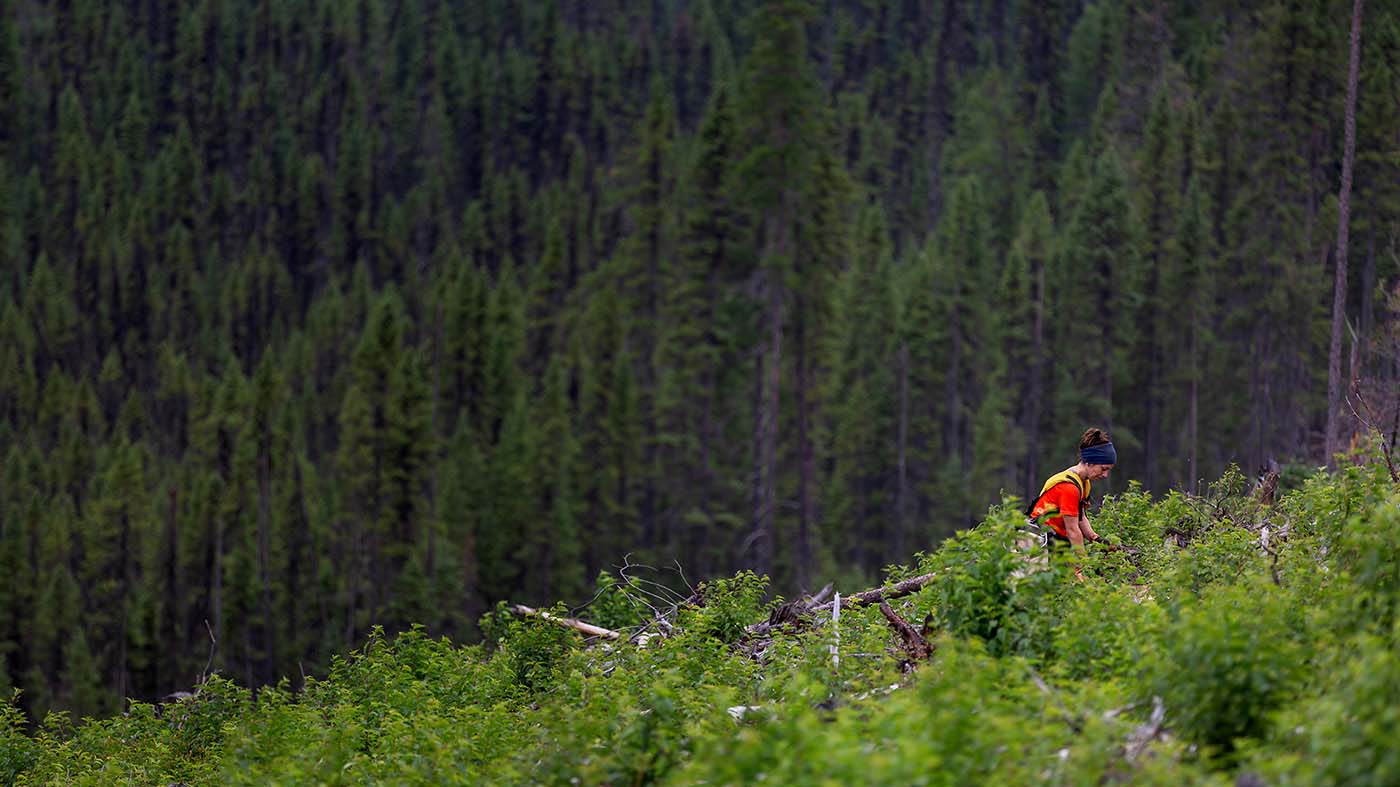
column 1227, row 661
column 532, row 647
column 1347, row 735
column 1222, row 556
column 18, row 752
column 614, row 605
column 987, row 587
column 1104, row 632
column 729, row 606
column 1367, row 549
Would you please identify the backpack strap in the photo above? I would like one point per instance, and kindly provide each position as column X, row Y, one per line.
column 1055, row 480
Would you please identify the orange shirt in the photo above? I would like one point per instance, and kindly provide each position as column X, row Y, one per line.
column 1060, row 500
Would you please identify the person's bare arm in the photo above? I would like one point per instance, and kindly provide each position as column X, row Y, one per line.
column 1074, row 532
column 1085, row 530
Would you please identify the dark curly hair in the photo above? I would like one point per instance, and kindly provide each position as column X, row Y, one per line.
column 1092, row 436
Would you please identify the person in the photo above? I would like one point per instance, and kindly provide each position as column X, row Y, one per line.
column 1062, row 505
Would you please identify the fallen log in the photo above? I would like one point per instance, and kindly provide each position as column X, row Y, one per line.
column 587, row 629
column 790, row 613
column 877, row 595
column 795, row 611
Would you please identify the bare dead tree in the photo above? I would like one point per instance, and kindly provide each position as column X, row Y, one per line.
column 1339, row 288
column 1369, row 421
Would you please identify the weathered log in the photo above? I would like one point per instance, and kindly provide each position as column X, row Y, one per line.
column 876, row 595
column 795, row 611
column 914, row 642
column 577, row 625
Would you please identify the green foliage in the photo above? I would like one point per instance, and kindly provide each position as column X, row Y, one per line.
column 985, row 587
column 1227, row 660
column 1344, row 735
column 317, row 317
column 533, row 648
column 1105, row 631
column 728, row 605
column 1285, row 670
column 18, row 753
column 615, row 605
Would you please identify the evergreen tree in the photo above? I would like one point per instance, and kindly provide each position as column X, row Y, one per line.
column 779, row 98
column 1160, row 189
column 868, row 503
column 1024, row 333
column 1093, row 303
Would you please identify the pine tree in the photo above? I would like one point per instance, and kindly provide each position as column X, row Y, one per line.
column 1021, row 314
column 611, row 433
column 867, row 503
column 1159, row 189
column 922, row 365
column 699, row 391
column 779, row 99
column 1189, row 283
column 112, row 546
column 971, row 350
column 1096, row 274
column 386, row 446
column 551, row 547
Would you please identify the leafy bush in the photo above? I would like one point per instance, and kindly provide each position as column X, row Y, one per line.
column 17, row 752
column 1368, row 550
column 1104, row 631
column 532, row 647
column 614, row 605
column 986, row 587
column 729, row 605
column 1227, row 660
column 1347, row 734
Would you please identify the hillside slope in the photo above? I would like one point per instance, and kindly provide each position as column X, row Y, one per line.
column 1267, row 645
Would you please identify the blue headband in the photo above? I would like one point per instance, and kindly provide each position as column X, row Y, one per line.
column 1102, row 454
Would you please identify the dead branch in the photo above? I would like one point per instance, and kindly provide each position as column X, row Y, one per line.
column 919, row 649
column 819, row 597
column 587, row 629
column 1273, row 554
column 1074, row 722
column 1147, row 733
column 213, row 647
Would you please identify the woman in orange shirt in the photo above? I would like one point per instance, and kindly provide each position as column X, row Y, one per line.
column 1064, row 500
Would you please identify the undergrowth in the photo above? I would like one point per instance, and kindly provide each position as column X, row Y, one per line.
column 1268, row 658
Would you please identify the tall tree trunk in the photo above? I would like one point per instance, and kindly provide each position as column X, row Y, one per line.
column 1192, row 419
column 806, row 481
column 756, row 455
column 296, row 549
column 765, row 515
column 268, row 638
column 171, row 617
column 123, row 682
column 430, row 552
column 902, row 514
column 1339, row 288
column 216, row 579
column 1035, row 393
column 1367, row 320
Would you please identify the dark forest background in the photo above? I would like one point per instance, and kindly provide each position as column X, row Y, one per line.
column 322, row 315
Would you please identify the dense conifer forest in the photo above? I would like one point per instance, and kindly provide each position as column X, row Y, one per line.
column 317, row 317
